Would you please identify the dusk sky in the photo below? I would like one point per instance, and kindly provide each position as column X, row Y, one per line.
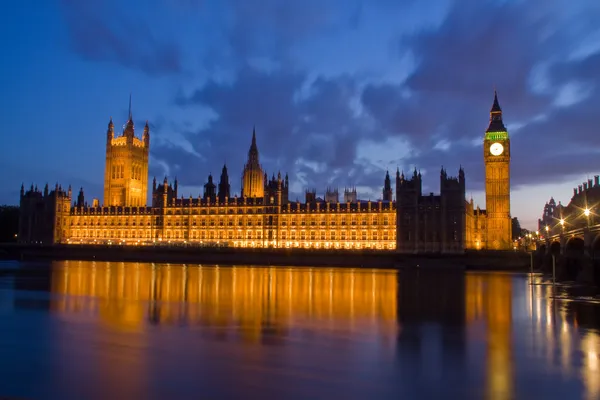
column 339, row 90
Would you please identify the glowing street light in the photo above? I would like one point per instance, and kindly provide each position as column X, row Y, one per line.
column 547, row 228
column 562, row 222
column 587, row 213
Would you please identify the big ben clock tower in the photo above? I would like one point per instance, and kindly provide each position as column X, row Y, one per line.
column 496, row 154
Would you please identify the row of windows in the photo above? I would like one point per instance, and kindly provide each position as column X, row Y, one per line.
column 118, row 171
column 136, row 172
column 221, row 235
column 312, row 235
column 249, row 221
column 242, row 210
column 429, row 236
column 423, row 218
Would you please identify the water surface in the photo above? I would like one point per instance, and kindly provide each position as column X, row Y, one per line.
column 89, row 330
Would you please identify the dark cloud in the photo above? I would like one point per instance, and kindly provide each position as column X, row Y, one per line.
column 270, row 29
column 305, row 127
column 477, row 47
column 96, row 34
column 440, row 110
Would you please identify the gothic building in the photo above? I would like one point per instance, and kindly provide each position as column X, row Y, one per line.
column 263, row 216
column 430, row 223
column 126, row 173
column 496, row 153
column 252, row 178
column 558, row 217
column 44, row 217
column 387, row 188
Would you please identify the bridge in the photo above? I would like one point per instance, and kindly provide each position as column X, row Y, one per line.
column 571, row 235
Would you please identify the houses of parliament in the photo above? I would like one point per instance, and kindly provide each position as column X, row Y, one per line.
column 263, row 215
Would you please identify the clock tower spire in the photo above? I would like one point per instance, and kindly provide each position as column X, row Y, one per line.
column 496, row 155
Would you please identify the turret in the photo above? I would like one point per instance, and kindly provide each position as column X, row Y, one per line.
column 408, row 191
column 154, row 185
column 332, row 195
column 387, row 187
column 46, row 190
column 210, row 189
column 350, row 195
column 110, row 133
column 224, row 186
column 165, row 196
column 146, row 136
column 80, row 198
column 22, row 190
column 310, row 195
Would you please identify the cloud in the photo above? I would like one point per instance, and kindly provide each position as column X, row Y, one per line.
column 518, row 47
column 424, row 104
column 307, row 127
column 95, row 34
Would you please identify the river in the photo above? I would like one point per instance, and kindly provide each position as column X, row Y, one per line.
column 98, row 330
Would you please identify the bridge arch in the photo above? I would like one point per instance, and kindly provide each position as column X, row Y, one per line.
column 555, row 248
column 574, row 257
column 595, row 254
column 575, row 245
column 542, row 248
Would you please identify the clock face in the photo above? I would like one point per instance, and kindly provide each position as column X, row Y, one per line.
column 496, row 149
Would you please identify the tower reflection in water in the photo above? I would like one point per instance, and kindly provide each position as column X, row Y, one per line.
column 461, row 331
column 253, row 301
column 489, row 307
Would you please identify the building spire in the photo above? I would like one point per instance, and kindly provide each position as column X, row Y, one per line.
column 253, row 153
column 130, row 115
column 496, row 123
column 496, row 106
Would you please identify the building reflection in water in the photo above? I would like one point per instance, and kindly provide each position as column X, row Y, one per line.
column 253, row 301
column 489, row 301
column 567, row 336
column 431, row 344
column 474, row 335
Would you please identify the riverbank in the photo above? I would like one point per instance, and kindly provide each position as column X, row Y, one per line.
column 471, row 260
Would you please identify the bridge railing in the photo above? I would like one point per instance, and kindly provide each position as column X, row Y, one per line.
column 579, row 231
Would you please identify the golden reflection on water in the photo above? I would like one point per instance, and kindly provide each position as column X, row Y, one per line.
column 489, row 299
column 566, row 336
column 126, row 296
column 254, row 301
column 590, row 368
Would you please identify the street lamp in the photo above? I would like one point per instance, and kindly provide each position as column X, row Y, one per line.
column 547, row 228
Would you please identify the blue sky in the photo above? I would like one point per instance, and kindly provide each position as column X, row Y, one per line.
column 339, row 90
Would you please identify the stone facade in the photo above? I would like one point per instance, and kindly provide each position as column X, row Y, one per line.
column 126, row 172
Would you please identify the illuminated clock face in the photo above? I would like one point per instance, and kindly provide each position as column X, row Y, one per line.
column 496, row 149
